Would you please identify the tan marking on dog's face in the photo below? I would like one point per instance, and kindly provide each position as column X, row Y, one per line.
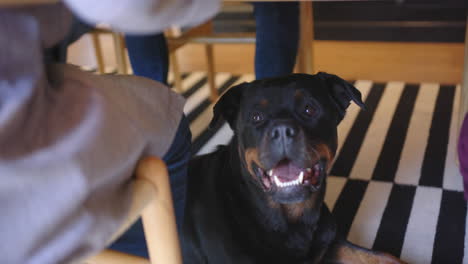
column 264, row 103
column 251, row 155
column 292, row 211
column 295, row 211
column 298, row 94
column 273, row 204
column 324, row 152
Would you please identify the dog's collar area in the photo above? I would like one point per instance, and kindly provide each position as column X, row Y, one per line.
column 286, row 175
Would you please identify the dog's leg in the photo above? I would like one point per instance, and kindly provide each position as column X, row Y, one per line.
column 344, row 252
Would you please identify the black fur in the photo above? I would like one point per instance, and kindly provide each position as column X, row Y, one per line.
column 229, row 217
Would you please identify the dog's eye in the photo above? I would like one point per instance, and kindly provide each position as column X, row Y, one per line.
column 256, row 117
column 309, row 110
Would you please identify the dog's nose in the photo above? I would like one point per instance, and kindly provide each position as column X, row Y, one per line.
column 283, row 131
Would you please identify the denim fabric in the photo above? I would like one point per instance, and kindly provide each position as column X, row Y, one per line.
column 277, row 43
column 149, row 56
column 277, row 25
column 176, row 159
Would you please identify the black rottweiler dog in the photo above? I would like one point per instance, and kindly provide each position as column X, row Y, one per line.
column 260, row 199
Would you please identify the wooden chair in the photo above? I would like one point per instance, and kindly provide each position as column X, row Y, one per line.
column 152, row 201
column 175, row 41
column 208, row 37
column 119, row 50
column 204, row 34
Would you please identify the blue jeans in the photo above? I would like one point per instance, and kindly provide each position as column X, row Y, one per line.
column 276, row 47
column 149, row 56
column 277, row 26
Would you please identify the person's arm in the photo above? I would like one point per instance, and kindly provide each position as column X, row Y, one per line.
column 144, row 16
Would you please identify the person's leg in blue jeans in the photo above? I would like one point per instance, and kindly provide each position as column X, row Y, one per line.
column 149, row 58
column 277, row 25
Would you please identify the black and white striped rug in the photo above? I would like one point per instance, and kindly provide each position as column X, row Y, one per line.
column 395, row 185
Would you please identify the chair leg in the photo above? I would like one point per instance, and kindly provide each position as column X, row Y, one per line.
column 152, row 200
column 464, row 85
column 305, row 59
column 463, row 109
column 176, row 71
column 98, row 52
column 211, row 72
column 115, row 257
column 120, row 53
column 158, row 217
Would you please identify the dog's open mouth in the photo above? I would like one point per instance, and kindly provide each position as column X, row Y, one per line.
column 286, row 175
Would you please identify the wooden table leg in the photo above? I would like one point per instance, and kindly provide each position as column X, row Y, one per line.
column 176, row 71
column 98, row 52
column 305, row 56
column 464, row 86
column 120, row 54
column 211, row 72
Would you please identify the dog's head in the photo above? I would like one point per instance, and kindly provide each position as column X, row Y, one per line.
column 286, row 129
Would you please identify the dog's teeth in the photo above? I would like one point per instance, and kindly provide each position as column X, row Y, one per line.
column 301, row 177
column 270, row 173
column 277, row 182
column 296, row 182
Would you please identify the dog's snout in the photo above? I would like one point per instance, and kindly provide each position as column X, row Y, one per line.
column 283, row 131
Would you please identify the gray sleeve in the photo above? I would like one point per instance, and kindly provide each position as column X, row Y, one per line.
column 69, row 142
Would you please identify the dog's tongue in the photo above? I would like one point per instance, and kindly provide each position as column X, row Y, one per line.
column 286, row 171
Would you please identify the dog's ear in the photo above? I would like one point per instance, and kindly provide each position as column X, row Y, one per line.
column 341, row 92
column 227, row 106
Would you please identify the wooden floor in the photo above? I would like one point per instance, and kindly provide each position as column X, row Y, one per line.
column 377, row 61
